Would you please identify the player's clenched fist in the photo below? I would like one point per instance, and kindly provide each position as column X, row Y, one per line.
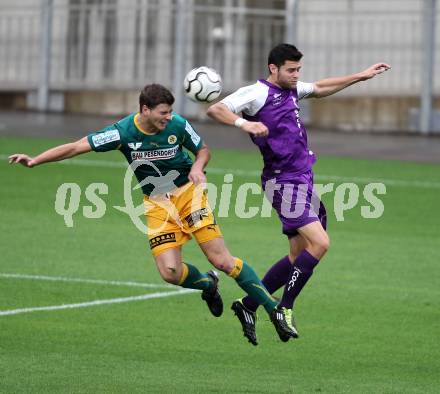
column 257, row 129
column 197, row 177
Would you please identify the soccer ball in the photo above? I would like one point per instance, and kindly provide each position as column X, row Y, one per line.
column 202, row 84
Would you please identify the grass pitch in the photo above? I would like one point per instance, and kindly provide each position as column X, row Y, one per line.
column 368, row 319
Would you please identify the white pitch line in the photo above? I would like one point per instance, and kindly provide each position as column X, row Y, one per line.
column 80, row 280
column 238, row 172
column 97, row 302
column 93, row 163
column 390, row 182
column 337, row 178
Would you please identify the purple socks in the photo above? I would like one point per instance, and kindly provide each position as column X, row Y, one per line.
column 292, row 276
column 300, row 273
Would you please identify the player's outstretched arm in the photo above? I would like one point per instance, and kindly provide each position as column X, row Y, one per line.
column 57, row 153
column 221, row 113
column 196, row 175
column 329, row 86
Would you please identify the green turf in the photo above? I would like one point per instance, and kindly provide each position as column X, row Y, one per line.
column 368, row 320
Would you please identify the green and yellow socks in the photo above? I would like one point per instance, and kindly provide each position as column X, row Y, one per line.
column 248, row 280
column 192, row 278
column 243, row 274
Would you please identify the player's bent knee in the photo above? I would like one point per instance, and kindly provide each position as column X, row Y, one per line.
column 218, row 263
column 221, row 261
column 323, row 246
column 169, row 278
column 169, row 275
column 326, row 244
column 319, row 247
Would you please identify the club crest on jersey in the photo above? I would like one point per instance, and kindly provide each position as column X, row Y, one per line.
column 277, row 99
column 172, row 139
column 134, row 145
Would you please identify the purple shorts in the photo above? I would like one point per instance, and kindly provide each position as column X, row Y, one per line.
column 295, row 202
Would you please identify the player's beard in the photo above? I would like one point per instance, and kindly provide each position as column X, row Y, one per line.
column 286, row 84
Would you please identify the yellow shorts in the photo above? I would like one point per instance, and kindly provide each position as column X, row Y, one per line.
column 173, row 218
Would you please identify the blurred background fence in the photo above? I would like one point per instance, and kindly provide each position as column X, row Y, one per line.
column 94, row 55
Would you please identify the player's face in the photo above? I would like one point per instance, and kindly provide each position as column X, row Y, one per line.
column 287, row 75
column 158, row 117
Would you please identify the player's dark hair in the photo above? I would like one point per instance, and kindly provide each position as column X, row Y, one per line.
column 155, row 94
column 283, row 52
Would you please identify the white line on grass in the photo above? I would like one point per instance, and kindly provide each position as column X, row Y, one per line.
column 238, row 172
column 97, row 302
column 80, row 280
column 389, row 182
column 336, row 178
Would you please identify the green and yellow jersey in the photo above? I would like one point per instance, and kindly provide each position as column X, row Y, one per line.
column 151, row 155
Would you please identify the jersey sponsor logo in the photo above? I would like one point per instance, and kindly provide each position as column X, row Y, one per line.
column 195, row 138
column 134, row 145
column 298, row 122
column 156, row 154
column 162, row 239
column 197, row 216
column 277, row 99
column 106, row 137
column 172, row 139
